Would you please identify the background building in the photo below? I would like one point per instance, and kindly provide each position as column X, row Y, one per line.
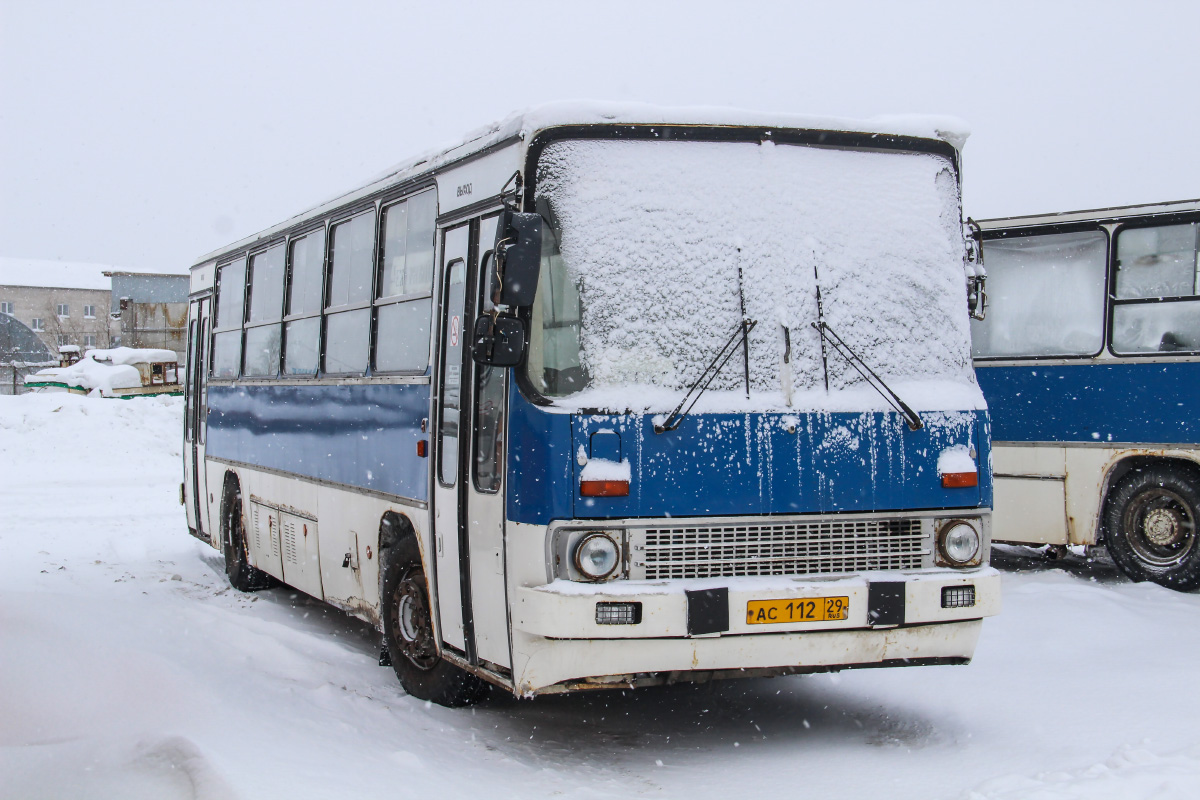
column 63, row 303
column 93, row 306
column 149, row 310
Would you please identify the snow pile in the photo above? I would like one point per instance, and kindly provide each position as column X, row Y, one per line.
column 656, row 234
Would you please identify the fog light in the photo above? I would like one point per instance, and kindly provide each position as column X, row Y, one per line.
column 618, row 613
column 956, row 596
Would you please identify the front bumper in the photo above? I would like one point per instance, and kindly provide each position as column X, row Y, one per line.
column 555, row 627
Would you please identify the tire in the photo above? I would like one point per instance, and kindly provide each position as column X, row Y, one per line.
column 408, row 636
column 1150, row 523
column 242, row 576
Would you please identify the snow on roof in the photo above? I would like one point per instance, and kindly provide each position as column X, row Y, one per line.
column 133, row 355
column 527, row 122
column 43, row 273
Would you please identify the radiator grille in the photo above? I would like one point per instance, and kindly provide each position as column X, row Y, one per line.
column 792, row 548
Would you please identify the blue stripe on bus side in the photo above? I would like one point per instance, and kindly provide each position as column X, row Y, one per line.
column 1107, row 402
column 741, row 464
column 362, row 436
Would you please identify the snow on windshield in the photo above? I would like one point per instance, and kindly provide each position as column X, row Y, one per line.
column 655, row 233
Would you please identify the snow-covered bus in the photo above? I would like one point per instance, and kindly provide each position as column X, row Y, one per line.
column 1090, row 361
column 610, row 397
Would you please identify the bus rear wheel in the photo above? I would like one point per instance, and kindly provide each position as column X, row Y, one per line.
column 1151, row 527
column 408, row 636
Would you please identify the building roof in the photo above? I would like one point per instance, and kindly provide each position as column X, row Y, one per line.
column 41, row 273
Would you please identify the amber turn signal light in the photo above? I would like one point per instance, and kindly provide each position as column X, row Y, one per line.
column 960, row 480
column 422, row 448
column 604, row 488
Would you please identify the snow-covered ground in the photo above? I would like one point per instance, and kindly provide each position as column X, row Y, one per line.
column 129, row 669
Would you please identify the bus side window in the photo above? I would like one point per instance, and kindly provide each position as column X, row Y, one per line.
column 1045, row 296
column 188, row 380
column 489, row 405
column 1153, row 264
column 405, row 301
column 227, row 341
column 265, row 307
column 302, row 331
column 347, row 309
column 452, row 359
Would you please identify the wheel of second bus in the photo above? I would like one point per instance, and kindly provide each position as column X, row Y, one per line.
column 408, row 634
column 1151, row 527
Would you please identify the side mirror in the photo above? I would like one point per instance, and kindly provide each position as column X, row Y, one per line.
column 519, row 256
column 976, row 274
column 499, row 342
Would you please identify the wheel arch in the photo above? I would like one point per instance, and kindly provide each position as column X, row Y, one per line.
column 1134, row 462
column 396, row 531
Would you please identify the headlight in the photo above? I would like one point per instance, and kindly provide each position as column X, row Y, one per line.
column 597, row 556
column 959, row 544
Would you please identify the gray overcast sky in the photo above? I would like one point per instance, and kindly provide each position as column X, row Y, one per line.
column 146, row 134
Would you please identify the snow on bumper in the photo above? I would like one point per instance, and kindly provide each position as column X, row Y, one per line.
column 563, row 642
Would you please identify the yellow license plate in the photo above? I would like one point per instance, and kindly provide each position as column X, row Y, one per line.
column 805, row 609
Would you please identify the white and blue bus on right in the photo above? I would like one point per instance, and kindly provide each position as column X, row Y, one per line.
column 1089, row 358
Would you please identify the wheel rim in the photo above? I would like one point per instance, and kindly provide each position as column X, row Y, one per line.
column 1160, row 527
column 412, row 630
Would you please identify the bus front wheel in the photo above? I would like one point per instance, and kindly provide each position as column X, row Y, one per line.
column 408, row 635
column 1151, row 527
column 242, row 575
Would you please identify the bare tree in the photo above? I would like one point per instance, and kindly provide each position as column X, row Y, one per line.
column 74, row 326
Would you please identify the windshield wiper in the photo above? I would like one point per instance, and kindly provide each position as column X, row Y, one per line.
column 706, row 377
column 876, row 383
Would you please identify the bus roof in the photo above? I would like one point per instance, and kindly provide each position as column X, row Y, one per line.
column 1090, row 215
column 523, row 125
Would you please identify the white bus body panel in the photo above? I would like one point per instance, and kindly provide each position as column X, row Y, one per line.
column 477, row 180
column 1054, row 494
column 340, row 522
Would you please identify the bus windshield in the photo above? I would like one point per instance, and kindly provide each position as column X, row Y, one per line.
column 651, row 249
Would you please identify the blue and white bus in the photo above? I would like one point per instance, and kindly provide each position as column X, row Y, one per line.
column 1089, row 358
column 610, row 398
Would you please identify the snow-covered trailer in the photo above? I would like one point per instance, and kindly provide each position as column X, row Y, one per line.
column 610, row 397
column 1090, row 360
column 122, row 372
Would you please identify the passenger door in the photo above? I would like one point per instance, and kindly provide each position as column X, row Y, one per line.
column 196, row 418
column 483, row 473
column 453, row 598
column 468, row 493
